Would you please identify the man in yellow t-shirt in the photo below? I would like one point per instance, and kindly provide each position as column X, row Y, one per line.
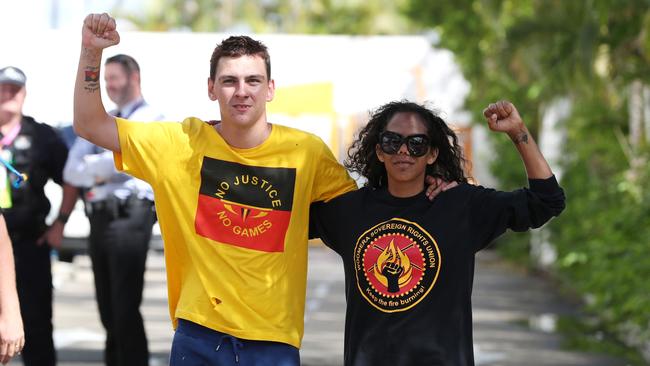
column 232, row 199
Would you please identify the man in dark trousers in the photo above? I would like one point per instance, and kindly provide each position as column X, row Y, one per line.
column 37, row 150
column 121, row 213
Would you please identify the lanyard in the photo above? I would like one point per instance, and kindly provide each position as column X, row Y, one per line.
column 6, row 141
column 11, row 136
column 20, row 177
column 135, row 108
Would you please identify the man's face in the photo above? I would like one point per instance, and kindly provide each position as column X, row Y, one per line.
column 119, row 86
column 242, row 89
column 12, row 98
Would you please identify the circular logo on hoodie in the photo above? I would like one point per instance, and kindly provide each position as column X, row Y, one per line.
column 396, row 263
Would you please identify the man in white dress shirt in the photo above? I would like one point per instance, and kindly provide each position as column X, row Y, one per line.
column 121, row 213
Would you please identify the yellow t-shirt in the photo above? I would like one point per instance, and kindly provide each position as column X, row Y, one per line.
column 234, row 221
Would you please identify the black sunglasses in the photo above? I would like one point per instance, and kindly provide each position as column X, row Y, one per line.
column 390, row 143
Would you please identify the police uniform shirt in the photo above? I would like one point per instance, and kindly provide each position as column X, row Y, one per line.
column 39, row 152
column 90, row 166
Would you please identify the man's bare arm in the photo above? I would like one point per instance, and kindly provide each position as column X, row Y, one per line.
column 90, row 118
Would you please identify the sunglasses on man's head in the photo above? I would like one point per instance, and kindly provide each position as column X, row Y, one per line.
column 390, row 143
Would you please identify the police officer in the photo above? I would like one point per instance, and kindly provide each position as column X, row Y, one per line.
column 120, row 209
column 37, row 150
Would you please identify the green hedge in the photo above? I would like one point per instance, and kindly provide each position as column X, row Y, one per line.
column 603, row 236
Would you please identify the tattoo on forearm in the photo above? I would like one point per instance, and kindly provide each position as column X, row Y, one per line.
column 521, row 138
column 91, row 77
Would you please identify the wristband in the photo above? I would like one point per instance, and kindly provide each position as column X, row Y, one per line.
column 63, row 217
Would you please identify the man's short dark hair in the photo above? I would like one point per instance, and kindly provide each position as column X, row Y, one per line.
column 129, row 64
column 237, row 46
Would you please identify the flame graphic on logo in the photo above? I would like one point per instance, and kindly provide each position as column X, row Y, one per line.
column 392, row 254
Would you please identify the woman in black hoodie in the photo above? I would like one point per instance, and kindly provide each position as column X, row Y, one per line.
column 409, row 262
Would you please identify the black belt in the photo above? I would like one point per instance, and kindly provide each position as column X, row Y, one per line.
column 101, row 205
column 115, row 206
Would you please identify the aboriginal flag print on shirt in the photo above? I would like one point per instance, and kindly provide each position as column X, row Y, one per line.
column 245, row 206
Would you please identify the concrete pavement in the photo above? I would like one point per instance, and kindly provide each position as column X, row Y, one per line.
column 514, row 315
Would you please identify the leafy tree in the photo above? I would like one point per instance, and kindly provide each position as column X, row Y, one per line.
column 281, row 16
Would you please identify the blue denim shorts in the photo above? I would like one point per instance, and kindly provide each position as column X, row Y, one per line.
column 196, row 345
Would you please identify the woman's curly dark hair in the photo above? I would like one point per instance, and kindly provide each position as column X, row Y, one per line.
column 362, row 157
